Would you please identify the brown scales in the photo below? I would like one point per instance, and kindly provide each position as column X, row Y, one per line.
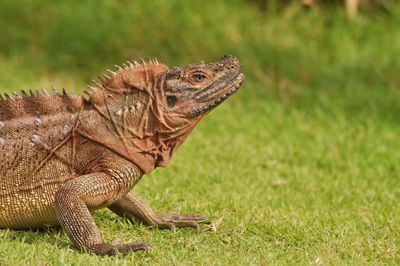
column 64, row 156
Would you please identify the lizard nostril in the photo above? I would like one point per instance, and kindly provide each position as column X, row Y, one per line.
column 230, row 62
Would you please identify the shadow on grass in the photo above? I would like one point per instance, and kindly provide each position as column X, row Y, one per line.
column 50, row 235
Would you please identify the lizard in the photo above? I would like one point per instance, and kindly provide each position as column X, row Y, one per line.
column 63, row 155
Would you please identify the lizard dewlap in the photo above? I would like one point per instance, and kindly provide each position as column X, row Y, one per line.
column 64, row 156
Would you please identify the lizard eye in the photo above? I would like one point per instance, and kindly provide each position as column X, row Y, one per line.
column 198, row 77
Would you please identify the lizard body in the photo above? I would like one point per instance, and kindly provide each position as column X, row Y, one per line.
column 64, row 156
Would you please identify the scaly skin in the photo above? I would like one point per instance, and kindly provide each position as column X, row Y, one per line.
column 63, row 156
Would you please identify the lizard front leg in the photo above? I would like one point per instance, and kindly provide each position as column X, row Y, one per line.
column 134, row 208
column 75, row 199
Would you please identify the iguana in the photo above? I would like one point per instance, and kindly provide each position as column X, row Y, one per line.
column 64, row 156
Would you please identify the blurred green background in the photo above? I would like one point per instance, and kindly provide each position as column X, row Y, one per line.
column 302, row 163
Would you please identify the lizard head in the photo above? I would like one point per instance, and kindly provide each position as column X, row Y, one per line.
column 194, row 90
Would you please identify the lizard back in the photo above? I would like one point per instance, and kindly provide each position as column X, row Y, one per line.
column 33, row 131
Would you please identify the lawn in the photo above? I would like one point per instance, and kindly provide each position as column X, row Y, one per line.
column 301, row 166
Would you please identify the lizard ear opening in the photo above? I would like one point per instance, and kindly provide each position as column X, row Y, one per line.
column 171, row 101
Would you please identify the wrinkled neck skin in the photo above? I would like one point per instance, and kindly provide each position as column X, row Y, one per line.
column 134, row 122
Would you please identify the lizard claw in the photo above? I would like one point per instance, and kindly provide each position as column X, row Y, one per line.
column 127, row 248
column 212, row 226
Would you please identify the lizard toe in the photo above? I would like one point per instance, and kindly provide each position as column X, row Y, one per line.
column 105, row 249
column 124, row 249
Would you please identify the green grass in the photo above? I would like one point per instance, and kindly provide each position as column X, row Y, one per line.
column 302, row 164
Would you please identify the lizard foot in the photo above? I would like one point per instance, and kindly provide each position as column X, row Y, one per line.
column 173, row 220
column 105, row 249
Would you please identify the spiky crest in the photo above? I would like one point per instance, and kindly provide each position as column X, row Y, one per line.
column 124, row 80
column 41, row 102
column 37, row 103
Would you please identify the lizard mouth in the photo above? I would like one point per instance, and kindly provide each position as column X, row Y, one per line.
column 232, row 89
column 236, row 83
